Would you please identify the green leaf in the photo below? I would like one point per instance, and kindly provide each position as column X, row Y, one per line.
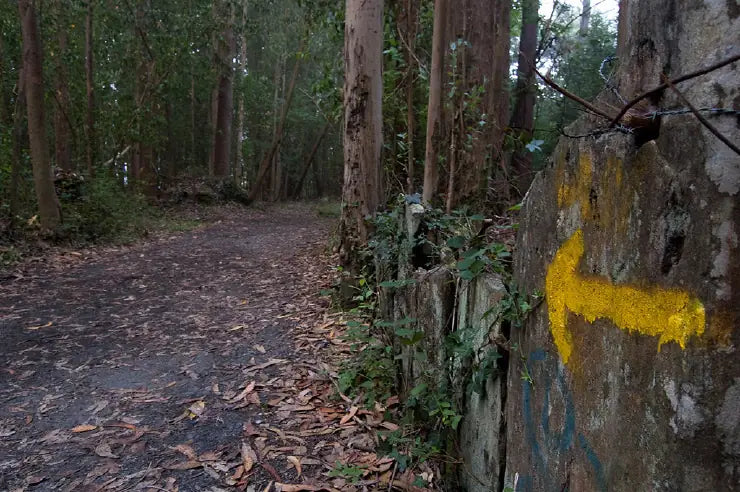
column 418, row 390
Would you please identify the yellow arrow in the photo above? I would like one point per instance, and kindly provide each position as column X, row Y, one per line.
column 671, row 314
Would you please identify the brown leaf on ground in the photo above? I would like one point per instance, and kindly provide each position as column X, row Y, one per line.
column 249, row 457
column 104, row 451
column 83, row 428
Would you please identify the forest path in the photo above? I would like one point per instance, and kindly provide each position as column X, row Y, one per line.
column 193, row 363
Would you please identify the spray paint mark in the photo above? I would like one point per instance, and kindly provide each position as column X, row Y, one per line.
column 555, row 443
column 670, row 314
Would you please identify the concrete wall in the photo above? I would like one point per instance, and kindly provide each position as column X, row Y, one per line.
column 627, row 377
column 635, row 375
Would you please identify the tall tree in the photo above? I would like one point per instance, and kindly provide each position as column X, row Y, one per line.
column 225, row 52
column 522, row 118
column 435, row 137
column 408, row 26
column 277, row 137
column 239, row 164
column 363, row 91
column 49, row 210
column 62, row 122
column 90, row 87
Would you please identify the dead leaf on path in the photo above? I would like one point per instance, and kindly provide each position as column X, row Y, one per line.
column 35, row 479
column 187, row 450
column 40, row 326
column 83, row 428
column 265, row 365
column 284, row 487
column 238, row 473
column 390, row 426
column 249, row 457
column 196, row 409
column 259, row 348
column 104, row 451
column 248, row 389
column 187, row 465
column 296, row 461
column 271, row 470
column 237, row 327
column 348, row 417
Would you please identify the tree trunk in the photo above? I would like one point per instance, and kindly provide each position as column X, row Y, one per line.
column 309, row 161
column 435, row 137
column 90, row 87
column 408, row 24
column 15, row 169
column 224, row 60
column 49, row 211
column 6, row 117
column 278, row 136
column 240, row 166
column 62, row 126
column 363, row 125
column 522, row 119
column 499, row 114
column 585, row 18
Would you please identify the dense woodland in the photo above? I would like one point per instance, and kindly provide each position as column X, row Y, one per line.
column 109, row 108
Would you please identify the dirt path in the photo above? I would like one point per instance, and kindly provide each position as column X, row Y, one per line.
column 195, row 363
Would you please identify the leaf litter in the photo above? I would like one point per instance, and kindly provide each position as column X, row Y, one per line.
column 219, row 375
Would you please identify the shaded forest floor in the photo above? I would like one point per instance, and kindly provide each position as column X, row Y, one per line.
column 201, row 361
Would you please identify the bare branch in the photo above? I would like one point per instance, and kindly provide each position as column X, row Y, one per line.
column 699, row 116
column 664, row 86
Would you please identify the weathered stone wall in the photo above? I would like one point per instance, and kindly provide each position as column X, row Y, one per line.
column 439, row 303
column 632, row 371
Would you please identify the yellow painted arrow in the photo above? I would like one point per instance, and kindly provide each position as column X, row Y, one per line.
column 671, row 314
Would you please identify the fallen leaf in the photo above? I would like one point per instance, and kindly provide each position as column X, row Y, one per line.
column 187, row 450
column 187, row 465
column 40, row 326
column 248, row 389
column 284, row 487
column 83, row 428
column 390, row 426
column 196, row 409
column 348, row 417
column 34, row 479
column 271, row 470
column 104, row 451
column 249, row 457
column 238, row 473
column 260, row 349
column 296, row 461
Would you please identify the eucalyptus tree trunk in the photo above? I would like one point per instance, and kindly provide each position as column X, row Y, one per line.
column 90, row 89
column 309, row 161
column 224, row 61
column 408, row 25
column 363, row 124
column 482, row 106
column 585, row 18
column 239, row 164
column 435, row 137
column 278, row 135
column 499, row 115
column 15, row 164
column 49, row 211
column 62, row 126
column 522, row 118
column 5, row 116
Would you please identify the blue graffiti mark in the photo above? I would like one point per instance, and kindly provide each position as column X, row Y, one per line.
column 554, row 441
column 594, row 460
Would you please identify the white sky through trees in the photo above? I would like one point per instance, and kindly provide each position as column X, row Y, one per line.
column 608, row 8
